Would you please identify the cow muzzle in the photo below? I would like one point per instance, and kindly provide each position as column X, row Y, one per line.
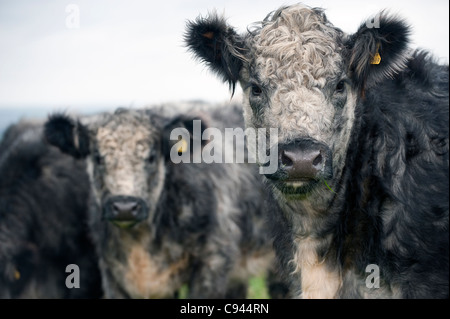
column 301, row 164
column 125, row 211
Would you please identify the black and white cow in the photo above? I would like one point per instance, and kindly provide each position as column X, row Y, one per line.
column 45, row 248
column 157, row 224
column 363, row 130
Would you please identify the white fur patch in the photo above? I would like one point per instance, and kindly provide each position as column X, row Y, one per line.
column 296, row 55
column 318, row 282
column 146, row 277
column 125, row 150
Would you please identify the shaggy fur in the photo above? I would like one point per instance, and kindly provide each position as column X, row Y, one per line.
column 205, row 224
column 43, row 222
column 386, row 126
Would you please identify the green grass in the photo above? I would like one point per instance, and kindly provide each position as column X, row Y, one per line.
column 257, row 289
column 183, row 292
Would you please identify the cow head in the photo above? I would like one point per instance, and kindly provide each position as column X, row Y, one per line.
column 127, row 155
column 303, row 76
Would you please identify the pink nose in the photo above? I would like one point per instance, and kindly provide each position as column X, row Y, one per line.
column 302, row 163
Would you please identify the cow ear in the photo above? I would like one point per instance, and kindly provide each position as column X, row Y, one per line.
column 378, row 50
column 181, row 135
column 69, row 135
column 217, row 44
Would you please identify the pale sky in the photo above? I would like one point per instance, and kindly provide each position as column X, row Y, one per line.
column 131, row 53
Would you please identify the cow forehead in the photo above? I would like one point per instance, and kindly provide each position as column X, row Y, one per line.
column 298, row 45
column 126, row 136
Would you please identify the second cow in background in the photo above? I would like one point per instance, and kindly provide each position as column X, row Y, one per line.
column 158, row 225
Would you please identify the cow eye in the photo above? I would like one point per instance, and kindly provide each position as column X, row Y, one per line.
column 98, row 159
column 340, row 87
column 152, row 157
column 256, row 90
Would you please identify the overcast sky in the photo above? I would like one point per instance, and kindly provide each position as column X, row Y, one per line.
column 131, row 53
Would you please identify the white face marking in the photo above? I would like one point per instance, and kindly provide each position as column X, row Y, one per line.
column 296, row 60
column 125, row 150
column 122, row 145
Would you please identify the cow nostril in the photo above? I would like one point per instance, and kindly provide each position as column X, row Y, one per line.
column 286, row 160
column 123, row 207
column 302, row 160
column 136, row 209
column 125, row 211
column 317, row 160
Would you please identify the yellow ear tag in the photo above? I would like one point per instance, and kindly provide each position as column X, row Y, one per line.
column 183, row 147
column 376, row 58
column 16, row 274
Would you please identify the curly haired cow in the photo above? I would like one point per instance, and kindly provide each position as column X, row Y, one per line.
column 363, row 130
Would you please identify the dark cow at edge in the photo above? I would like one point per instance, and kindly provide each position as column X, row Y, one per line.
column 158, row 225
column 363, row 130
column 43, row 220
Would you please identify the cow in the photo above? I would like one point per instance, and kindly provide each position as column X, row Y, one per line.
column 45, row 248
column 363, row 130
column 159, row 224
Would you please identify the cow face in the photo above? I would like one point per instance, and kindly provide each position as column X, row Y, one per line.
column 303, row 76
column 126, row 167
column 126, row 159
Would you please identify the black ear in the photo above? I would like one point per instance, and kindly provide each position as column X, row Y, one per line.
column 378, row 50
column 193, row 127
column 218, row 45
column 68, row 135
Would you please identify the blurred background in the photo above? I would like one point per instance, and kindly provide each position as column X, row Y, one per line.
column 87, row 56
